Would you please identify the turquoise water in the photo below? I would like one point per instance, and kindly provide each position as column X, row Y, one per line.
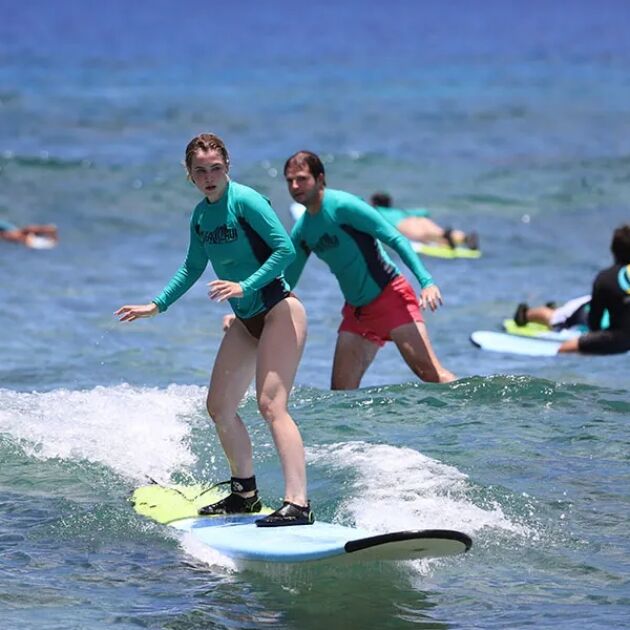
column 511, row 120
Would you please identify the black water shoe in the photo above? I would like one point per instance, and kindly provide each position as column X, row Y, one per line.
column 232, row 504
column 520, row 316
column 472, row 240
column 448, row 235
column 288, row 514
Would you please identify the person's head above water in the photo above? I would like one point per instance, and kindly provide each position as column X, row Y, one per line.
column 620, row 246
column 208, row 165
column 381, row 199
column 306, row 177
column 306, row 159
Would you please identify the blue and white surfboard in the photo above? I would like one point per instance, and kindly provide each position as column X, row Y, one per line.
column 238, row 537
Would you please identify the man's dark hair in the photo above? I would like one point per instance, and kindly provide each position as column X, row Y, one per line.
column 620, row 246
column 311, row 160
column 381, row 199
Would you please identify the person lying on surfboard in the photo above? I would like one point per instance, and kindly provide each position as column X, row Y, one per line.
column 381, row 305
column 416, row 225
column 571, row 313
column 611, row 292
column 35, row 236
column 236, row 229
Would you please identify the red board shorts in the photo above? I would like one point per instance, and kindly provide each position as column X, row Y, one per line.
column 396, row 305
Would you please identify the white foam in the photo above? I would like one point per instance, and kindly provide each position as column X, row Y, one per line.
column 135, row 431
column 398, row 488
column 40, row 242
column 200, row 551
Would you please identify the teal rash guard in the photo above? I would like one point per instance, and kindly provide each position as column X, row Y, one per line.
column 345, row 234
column 241, row 235
column 7, row 226
column 396, row 215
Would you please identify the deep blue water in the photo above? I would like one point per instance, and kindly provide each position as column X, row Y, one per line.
column 509, row 118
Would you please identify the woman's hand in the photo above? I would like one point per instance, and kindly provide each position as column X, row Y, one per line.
column 228, row 320
column 132, row 312
column 430, row 297
column 221, row 290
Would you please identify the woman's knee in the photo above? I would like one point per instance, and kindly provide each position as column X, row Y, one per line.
column 271, row 407
column 212, row 409
column 217, row 411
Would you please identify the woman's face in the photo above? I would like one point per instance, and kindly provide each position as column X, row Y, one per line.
column 209, row 173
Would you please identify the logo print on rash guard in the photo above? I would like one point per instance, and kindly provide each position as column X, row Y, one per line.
column 325, row 243
column 223, row 234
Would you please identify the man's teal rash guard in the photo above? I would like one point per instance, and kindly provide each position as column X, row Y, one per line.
column 345, row 234
column 242, row 237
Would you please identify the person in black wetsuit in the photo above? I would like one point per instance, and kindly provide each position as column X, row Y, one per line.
column 611, row 291
column 571, row 313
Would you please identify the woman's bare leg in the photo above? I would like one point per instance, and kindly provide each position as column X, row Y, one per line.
column 279, row 352
column 233, row 371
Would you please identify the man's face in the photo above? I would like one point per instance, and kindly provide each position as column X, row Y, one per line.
column 303, row 187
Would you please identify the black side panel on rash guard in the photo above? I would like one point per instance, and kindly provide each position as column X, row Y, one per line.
column 382, row 273
column 275, row 290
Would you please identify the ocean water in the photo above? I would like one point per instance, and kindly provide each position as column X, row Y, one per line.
column 512, row 119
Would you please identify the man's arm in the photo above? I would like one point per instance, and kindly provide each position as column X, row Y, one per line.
column 366, row 219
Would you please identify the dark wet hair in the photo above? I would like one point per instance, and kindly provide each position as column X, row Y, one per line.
column 311, row 160
column 381, row 199
column 206, row 142
column 620, row 246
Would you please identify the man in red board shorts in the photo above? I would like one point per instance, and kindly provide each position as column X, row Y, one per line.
column 395, row 306
column 345, row 232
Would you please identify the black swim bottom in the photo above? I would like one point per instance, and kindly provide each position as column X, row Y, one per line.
column 604, row 342
column 256, row 324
